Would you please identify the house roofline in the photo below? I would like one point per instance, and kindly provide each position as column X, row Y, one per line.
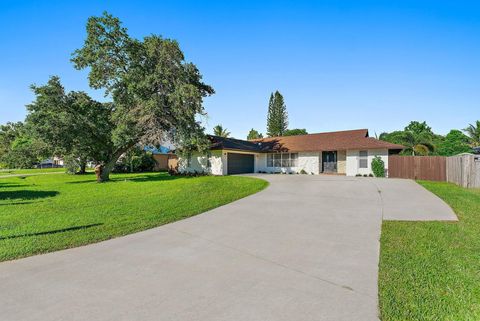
column 320, row 133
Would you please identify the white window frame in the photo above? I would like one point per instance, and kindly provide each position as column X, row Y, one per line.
column 294, row 160
column 277, row 160
column 282, row 160
column 269, row 160
column 362, row 158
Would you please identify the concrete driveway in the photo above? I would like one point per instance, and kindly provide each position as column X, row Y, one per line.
column 306, row 248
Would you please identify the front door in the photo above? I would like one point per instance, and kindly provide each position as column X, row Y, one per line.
column 329, row 162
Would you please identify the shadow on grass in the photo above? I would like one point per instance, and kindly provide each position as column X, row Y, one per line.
column 11, row 185
column 25, row 195
column 19, row 203
column 73, row 228
column 139, row 177
column 151, row 178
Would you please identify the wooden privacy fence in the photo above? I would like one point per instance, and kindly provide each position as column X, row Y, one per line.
column 464, row 170
column 432, row 168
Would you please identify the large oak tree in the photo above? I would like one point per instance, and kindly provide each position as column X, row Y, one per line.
column 156, row 94
column 76, row 126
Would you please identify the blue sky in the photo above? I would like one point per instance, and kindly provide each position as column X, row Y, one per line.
column 339, row 64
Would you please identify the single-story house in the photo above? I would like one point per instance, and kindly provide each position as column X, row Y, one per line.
column 347, row 152
column 53, row 162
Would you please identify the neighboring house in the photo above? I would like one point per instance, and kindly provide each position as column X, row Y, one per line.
column 344, row 152
column 51, row 163
column 162, row 156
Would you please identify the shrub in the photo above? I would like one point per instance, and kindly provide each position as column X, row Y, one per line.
column 303, row 171
column 136, row 160
column 190, row 174
column 370, row 175
column 358, row 175
column 378, row 167
column 365, row 175
column 71, row 165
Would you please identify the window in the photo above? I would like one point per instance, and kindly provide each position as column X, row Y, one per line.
column 294, row 160
column 277, row 160
column 282, row 160
column 363, row 159
column 269, row 160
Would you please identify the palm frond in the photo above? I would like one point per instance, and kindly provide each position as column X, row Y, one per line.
column 421, row 149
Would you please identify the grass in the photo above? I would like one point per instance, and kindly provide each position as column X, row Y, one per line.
column 30, row 171
column 431, row 270
column 45, row 213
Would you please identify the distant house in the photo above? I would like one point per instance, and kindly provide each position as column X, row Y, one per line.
column 476, row 150
column 347, row 152
column 162, row 157
column 53, row 162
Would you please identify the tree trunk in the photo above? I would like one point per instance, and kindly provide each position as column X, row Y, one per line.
column 103, row 171
column 107, row 168
column 83, row 166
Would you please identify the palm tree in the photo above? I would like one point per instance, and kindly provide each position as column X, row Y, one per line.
column 220, row 131
column 474, row 132
column 417, row 143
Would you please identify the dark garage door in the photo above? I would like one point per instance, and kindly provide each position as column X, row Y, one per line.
column 239, row 163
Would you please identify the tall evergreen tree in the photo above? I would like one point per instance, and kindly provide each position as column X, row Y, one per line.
column 277, row 118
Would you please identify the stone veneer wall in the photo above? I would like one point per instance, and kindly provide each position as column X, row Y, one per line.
column 342, row 161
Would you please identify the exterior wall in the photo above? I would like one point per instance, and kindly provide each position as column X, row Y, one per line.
column 161, row 162
column 199, row 163
column 352, row 167
column 261, row 163
column 341, row 161
column 309, row 162
column 218, row 162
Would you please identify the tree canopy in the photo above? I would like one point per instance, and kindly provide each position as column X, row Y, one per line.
column 156, row 94
column 277, row 118
column 473, row 130
column 220, row 131
column 295, row 131
column 254, row 134
column 18, row 149
column 75, row 125
column 419, row 139
column 454, row 143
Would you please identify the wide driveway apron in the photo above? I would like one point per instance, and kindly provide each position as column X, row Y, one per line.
column 305, row 248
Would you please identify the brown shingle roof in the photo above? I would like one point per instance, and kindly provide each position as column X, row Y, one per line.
column 341, row 140
column 218, row 142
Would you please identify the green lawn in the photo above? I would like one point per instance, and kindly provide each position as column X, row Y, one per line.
column 431, row 270
column 30, row 171
column 51, row 212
